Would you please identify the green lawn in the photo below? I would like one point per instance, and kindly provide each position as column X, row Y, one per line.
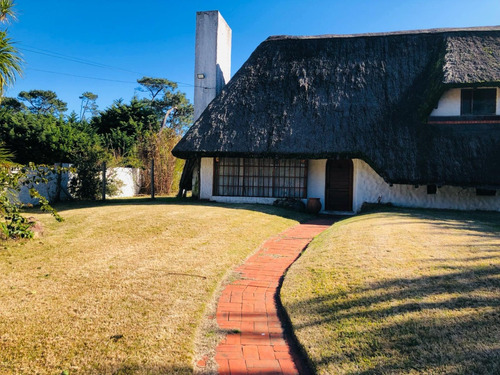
column 121, row 287
column 400, row 292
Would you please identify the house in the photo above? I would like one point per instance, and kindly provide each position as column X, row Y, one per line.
column 408, row 118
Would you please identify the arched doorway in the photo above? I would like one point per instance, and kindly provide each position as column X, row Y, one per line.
column 338, row 189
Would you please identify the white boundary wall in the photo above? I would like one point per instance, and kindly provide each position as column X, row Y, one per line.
column 47, row 190
column 130, row 184
column 129, row 177
column 368, row 187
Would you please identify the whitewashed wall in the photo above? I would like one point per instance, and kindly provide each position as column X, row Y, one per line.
column 48, row 190
column 370, row 187
column 206, row 178
column 316, row 180
column 449, row 104
column 129, row 177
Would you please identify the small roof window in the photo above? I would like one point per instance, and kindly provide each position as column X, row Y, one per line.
column 478, row 102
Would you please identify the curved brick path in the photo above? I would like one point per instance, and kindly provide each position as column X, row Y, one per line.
column 248, row 307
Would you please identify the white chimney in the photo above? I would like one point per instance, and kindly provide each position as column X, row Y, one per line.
column 212, row 67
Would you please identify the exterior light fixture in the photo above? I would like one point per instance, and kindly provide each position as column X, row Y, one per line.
column 200, row 76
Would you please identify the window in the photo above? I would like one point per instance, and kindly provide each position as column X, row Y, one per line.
column 260, row 177
column 486, row 192
column 478, row 102
column 431, row 189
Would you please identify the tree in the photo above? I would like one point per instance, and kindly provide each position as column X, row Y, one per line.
column 171, row 106
column 10, row 61
column 155, row 86
column 88, row 104
column 12, row 223
column 43, row 138
column 178, row 112
column 44, row 102
column 12, row 105
column 122, row 125
column 7, row 10
column 86, row 184
column 174, row 115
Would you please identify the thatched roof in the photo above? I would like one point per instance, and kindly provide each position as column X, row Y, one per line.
column 361, row 96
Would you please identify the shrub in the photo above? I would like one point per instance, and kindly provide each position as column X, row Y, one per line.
column 13, row 224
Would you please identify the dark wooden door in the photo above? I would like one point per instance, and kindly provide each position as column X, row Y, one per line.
column 338, row 194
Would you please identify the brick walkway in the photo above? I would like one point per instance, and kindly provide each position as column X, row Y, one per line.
column 248, row 307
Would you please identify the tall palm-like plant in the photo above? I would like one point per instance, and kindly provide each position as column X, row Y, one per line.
column 10, row 61
column 7, row 10
column 5, row 156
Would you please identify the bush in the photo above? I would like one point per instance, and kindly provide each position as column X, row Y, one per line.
column 86, row 183
column 13, row 224
column 290, row 203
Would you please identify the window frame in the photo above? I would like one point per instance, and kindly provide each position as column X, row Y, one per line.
column 260, row 177
column 467, row 100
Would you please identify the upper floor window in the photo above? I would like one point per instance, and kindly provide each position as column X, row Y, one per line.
column 480, row 102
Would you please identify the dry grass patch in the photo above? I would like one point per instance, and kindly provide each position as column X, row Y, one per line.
column 120, row 288
column 400, row 292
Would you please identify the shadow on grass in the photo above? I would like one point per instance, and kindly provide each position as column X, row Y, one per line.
column 485, row 223
column 137, row 201
column 403, row 333
column 168, row 201
column 466, row 283
column 448, row 322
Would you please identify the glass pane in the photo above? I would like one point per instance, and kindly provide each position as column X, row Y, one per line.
column 260, row 177
column 479, row 102
column 466, row 104
column 484, row 102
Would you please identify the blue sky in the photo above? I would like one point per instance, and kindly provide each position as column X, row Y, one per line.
column 119, row 41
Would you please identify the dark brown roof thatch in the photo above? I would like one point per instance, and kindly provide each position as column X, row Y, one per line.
column 362, row 96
